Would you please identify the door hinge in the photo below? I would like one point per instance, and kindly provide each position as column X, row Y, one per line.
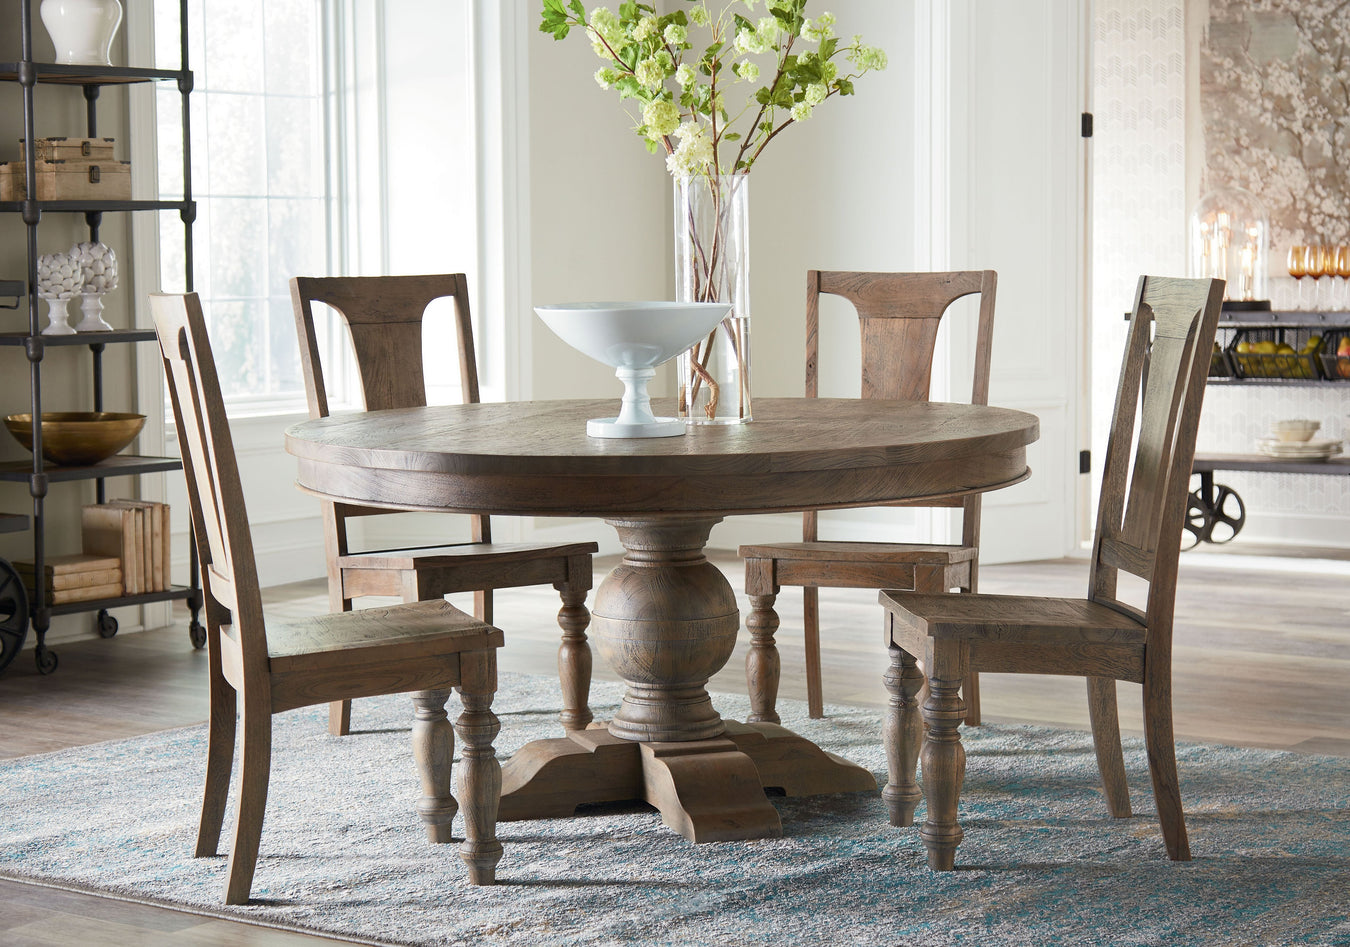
column 1087, row 124
column 1085, row 461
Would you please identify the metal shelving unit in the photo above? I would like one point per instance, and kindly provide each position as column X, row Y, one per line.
column 38, row 474
column 1215, row 506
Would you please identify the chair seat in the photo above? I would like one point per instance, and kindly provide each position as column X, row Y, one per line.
column 395, row 633
column 911, row 553
column 1012, row 618
column 435, row 557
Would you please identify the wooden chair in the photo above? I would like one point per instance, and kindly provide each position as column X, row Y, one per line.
column 257, row 671
column 900, row 314
column 1141, row 509
column 384, row 316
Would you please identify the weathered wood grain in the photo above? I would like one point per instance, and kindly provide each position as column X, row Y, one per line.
column 256, row 673
column 383, row 316
column 899, row 316
column 665, row 619
column 1102, row 637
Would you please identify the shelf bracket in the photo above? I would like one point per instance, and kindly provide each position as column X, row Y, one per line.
column 13, row 289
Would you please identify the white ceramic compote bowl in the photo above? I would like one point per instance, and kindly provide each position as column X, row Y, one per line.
column 634, row 337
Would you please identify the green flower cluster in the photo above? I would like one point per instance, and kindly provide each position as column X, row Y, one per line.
column 682, row 92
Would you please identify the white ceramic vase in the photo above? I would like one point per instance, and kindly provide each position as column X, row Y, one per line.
column 92, row 308
column 82, row 30
column 58, row 317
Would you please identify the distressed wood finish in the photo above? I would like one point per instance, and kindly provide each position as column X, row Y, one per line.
column 1100, row 637
column 256, row 671
column 534, row 458
column 383, row 315
column 900, row 314
column 665, row 619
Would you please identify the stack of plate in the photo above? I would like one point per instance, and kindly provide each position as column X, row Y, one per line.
column 1315, row 449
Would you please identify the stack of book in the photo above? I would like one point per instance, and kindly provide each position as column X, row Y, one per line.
column 76, row 578
column 137, row 533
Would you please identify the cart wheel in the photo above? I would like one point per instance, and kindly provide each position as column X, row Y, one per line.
column 107, row 624
column 46, row 659
column 1197, row 523
column 1228, row 522
column 197, row 633
column 1213, row 518
column 13, row 614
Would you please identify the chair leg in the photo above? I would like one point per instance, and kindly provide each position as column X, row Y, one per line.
column 763, row 666
column 434, row 750
column 480, row 779
column 970, row 693
column 815, row 696
column 935, row 580
column 944, row 759
column 254, row 767
column 1106, row 740
column 574, row 658
column 219, row 762
column 340, row 718
column 902, row 736
column 1162, row 766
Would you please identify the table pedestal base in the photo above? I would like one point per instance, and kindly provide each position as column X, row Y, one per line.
column 666, row 620
column 707, row 790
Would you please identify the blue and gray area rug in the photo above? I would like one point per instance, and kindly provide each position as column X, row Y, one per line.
column 343, row 852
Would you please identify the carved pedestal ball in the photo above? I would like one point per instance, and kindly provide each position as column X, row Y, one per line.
column 666, row 620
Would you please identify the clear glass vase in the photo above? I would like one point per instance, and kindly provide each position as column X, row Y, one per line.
column 712, row 264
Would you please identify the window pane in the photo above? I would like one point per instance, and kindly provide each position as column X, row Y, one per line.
column 238, row 339
column 295, row 235
column 234, row 57
column 238, row 247
column 258, row 175
column 233, row 140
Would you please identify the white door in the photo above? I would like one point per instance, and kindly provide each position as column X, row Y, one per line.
column 1015, row 188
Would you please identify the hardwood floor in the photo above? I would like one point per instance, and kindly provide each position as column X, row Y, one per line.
column 1262, row 653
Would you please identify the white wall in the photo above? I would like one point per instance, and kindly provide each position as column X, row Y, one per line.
column 598, row 210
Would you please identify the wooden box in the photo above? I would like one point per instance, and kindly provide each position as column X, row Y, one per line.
column 97, row 150
column 69, row 181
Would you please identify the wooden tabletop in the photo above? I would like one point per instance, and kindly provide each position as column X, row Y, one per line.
column 534, row 458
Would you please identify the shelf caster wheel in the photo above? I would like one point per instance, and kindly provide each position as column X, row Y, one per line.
column 1214, row 514
column 46, row 659
column 13, row 614
column 107, row 625
column 197, row 632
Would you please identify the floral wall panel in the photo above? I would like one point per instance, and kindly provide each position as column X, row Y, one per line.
column 1275, row 103
column 1275, row 110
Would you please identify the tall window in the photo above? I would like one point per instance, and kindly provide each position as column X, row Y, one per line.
column 328, row 136
column 257, row 176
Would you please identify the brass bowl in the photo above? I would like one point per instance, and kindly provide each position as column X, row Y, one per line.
column 78, row 438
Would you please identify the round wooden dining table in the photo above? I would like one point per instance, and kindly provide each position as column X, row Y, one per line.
column 665, row 619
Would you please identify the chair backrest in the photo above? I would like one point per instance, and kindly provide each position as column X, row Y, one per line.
column 219, row 521
column 899, row 315
column 383, row 315
column 1147, row 472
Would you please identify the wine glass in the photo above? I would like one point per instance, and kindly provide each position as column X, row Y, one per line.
column 1317, row 268
column 1343, row 271
column 1298, row 268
